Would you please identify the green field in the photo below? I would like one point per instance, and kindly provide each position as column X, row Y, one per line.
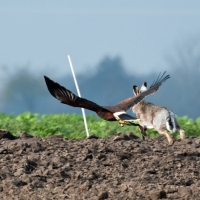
column 72, row 126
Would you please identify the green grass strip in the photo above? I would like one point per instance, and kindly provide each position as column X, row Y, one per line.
column 71, row 125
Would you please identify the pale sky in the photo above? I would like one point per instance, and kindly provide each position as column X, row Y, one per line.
column 41, row 33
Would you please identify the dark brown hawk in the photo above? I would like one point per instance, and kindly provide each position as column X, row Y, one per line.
column 109, row 113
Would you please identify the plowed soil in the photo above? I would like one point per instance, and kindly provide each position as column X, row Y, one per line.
column 98, row 168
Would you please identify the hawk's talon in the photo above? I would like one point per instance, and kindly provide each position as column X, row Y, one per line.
column 121, row 122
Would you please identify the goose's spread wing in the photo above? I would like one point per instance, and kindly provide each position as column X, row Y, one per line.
column 128, row 103
column 69, row 98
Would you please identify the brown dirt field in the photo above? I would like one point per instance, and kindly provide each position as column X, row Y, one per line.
column 98, row 168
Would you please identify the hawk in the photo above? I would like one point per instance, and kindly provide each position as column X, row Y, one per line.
column 109, row 113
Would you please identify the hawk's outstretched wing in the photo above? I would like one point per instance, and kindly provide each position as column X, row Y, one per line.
column 69, row 98
column 128, row 103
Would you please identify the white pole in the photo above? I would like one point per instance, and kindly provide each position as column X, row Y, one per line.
column 79, row 94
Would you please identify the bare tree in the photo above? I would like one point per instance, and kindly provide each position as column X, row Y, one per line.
column 184, row 95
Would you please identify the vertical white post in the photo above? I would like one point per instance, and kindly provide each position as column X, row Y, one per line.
column 79, row 94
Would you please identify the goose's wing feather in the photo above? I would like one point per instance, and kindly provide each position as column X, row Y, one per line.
column 69, row 98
